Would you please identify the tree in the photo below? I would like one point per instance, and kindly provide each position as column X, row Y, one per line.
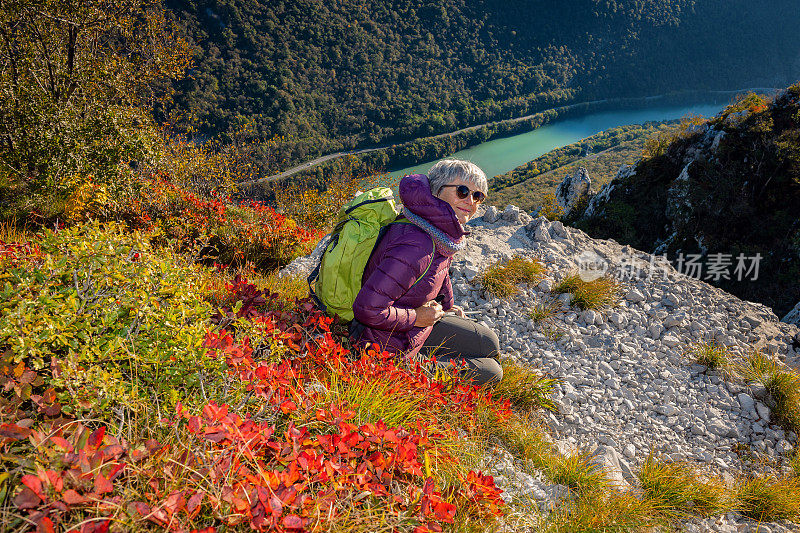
column 78, row 80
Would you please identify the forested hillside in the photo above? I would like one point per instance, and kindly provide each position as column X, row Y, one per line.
column 330, row 75
column 720, row 189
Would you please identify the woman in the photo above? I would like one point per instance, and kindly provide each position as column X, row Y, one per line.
column 406, row 287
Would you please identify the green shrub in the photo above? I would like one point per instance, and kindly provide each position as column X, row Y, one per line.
column 123, row 323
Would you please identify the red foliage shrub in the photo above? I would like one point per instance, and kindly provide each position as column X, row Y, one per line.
column 217, row 227
column 295, row 462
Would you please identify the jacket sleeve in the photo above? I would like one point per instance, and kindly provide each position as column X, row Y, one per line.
column 447, row 291
column 401, row 265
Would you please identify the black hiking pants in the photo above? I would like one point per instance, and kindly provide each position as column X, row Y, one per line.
column 461, row 339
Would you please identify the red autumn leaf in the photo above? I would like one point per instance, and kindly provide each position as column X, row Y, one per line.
column 113, row 451
column 27, row 376
column 193, row 504
column 138, row 455
column 444, row 511
column 96, row 526
column 288, row 406
column 102, row 484
column 140, row 507
column 96, row 438
column 293, row 521
column 174, row 502
column 33, row 483
column 49, row 396
column 13, row 431
column 45, row 525
column 52, row 410
column 62, row 443
column 27, row 499
column 71, row 497
column 55, row 480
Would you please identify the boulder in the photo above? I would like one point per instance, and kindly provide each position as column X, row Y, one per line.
column 793, row 316
column 573, row 190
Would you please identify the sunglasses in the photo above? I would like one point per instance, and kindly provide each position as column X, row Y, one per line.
column 462, row 191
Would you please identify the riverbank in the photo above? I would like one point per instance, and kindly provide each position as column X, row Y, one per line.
column 398, row 156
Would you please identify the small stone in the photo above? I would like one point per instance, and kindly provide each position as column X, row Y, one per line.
column 666, row 410
column 545, row 285
column 634, row 296
column 511, row 213
column 763, row 411
column 541, row 234
column 698, row 429
column 629, row 451
column 491, row 215
column 746, row 401
column 615, row 318
column 671, row 340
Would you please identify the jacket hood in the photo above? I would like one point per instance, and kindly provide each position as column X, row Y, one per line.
column 415, row 193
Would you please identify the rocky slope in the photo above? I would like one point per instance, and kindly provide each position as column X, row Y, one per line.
column 730, row 186
column 626, row 386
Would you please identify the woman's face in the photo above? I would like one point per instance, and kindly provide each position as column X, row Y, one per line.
column 464, row 207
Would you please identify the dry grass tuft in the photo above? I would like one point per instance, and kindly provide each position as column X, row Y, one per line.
column 781, row 383
column 577, row 472
column 544, row 310
column 501, row 279
column 711, row 354
column 675, row 490
column 11, row 232
column 596, row 294
column 607, row 513
column 524, row 387
column 768, row 498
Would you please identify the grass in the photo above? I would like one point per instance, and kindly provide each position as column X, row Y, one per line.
column 11, row 232
column 596, row 294
column 501, row 278
column 524, row 387
column 675, row 490
column 781, row 383
column 768, row 498
column 553, row 333
column 577, row 472
column 544, row 310
column 711, row 354
column 602, row 513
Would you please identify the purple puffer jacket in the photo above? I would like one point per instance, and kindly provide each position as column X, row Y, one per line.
column 388, row 297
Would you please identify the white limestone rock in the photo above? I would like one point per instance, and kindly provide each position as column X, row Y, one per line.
column 573, row 190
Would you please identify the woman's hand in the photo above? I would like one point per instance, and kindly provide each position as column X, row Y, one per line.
column 428, row 314
column 458, row 311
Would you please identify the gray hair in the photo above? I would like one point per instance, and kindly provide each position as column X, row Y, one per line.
column 447, row 170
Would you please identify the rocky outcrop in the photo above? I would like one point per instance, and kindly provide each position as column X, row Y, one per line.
column 573, row 190
column 793, row 316
column 725, row 189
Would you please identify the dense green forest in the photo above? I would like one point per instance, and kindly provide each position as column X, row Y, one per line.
column 323, row 76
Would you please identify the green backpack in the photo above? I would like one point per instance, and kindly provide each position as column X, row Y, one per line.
column 336, row 280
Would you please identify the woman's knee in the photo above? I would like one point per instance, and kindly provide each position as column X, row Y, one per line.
column 489, row 342
column 491, row 372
